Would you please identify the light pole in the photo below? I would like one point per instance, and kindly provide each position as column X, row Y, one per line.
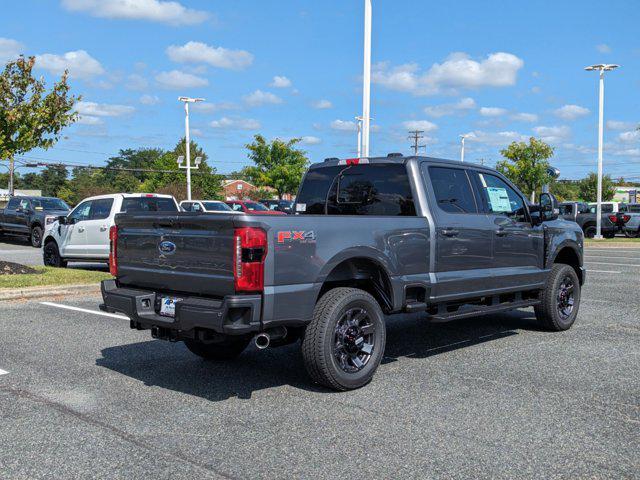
column 603, row 67
column 462, row 139
column 366, row 79
column 188, row 167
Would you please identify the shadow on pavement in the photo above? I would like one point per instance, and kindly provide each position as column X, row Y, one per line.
column 172, row 366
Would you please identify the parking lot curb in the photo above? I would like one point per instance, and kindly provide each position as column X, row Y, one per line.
column 47, row 291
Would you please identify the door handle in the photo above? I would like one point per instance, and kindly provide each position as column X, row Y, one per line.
column 501, row 232
column 103, row 228
column 450, row 232
column 81, row 229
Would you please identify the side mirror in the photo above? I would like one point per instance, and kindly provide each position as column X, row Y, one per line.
column 548, row 207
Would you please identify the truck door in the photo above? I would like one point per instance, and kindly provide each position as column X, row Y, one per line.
column 10, row 215
column 22, row 214
column 518, row 246
column 463, row 247
column 97, row 228
column 73, row 234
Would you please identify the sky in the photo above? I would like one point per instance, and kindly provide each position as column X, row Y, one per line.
column 496, row 71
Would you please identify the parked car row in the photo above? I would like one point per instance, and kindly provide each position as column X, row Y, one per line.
column 263, row 207
column 615, row 218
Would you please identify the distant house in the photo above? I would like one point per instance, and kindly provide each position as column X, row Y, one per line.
column 239, row 189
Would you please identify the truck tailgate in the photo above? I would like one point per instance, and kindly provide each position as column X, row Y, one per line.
column 191, row 253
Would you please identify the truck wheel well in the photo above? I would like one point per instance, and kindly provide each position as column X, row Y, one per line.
column 568, row 256
column 362, row 273
column 48, row 240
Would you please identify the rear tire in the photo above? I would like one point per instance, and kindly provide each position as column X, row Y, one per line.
column 51, row 256
column 560, row 299
column 631, row 234
column 228, row 349
column 344, row 343
column 36, row 237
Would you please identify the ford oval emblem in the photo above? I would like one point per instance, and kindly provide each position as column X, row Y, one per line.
column 167, row 248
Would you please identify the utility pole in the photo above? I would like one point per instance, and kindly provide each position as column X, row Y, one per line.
column 600, row 68
column 415, row 136
column 366, row 79
column 12, row 169
column 188, row 167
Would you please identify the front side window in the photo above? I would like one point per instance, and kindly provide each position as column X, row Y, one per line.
column 236, row 207
column 452, row 190
column 216, row 207
column 101, row 209
column 50, row 204
column 81, row 212
column 566, row 209
column 500, row 198
column 24, row 204
column 253, row 206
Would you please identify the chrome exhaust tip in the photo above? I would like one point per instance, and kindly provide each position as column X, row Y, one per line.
column 262, row 340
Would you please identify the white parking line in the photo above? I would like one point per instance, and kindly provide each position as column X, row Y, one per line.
column 18, row 251
column 618, row 264
column 3, row 372
column 84, row 310
column 602, row 271
column 593, row 255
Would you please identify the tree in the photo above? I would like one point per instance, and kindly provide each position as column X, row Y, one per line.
column 52, row 179
column 565, row 190
column 588, row 188
column 526, row 164
column 142, row 158
column 277, row 164
column 205, row 182
column 31, row 117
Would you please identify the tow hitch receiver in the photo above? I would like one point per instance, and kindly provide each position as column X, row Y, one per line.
column 164, row 334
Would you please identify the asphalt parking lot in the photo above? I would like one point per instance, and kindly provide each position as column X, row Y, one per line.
column 82, row 395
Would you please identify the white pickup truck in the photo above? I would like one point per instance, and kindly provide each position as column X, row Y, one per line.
column 83, row 234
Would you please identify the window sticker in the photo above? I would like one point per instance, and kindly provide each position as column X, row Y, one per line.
column 301, row 207
column 499, row 199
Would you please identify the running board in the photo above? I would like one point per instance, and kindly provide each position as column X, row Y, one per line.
column 474, row 311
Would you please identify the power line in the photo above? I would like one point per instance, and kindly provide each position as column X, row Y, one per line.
column 416, row 136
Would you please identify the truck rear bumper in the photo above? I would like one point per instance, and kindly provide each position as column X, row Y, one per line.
column 231, row 315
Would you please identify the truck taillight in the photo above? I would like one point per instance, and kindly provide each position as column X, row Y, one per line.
column 626, row 218
column 613, row 218
column 249, row 253
column 113, row 247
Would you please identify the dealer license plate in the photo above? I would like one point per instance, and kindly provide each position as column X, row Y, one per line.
column 168, row 306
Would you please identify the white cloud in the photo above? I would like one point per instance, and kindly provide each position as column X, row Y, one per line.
column 280, row 82
column 310, row 140
column 79, row 63
column 258, row 98
column 536, row 89
column 209, row 107
column 603, row 48
column 136, row 82
column 170, row 12
column 525, row 117
column 89, row 120
column 630, row 136
column 103, row 109
column 10, row 49
column 617, row 125
column 226, row 123
column 424, row 125
column 322, row 104
column 462, row 105
column 553, row 134
column 571, row 112
column 149, row 99
column 492, row 111
column 458, row 71
column 496, row 138
column 343, row 125
column 176, row 80
column 198, row 52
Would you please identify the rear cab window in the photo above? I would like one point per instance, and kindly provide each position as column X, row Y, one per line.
column 369, row 189
column 148, row 204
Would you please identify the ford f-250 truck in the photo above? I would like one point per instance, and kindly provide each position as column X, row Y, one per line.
column 370, row 237
column 30, row 216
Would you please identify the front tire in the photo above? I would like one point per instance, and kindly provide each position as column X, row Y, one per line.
column 344, row 343
column 590, row 232
column 560, row 299
column 51, row 256
column 36, row 237
column 228, row 349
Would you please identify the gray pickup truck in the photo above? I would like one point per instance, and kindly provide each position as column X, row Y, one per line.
column 585, row 216
column 370, row 237
column 29, row 216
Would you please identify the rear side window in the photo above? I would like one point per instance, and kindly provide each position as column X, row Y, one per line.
column 13, row 203
column 566, row 209
column 453, row 190
column 100, row 209
column 634, row 208
column 381, row 190
column 148, row 204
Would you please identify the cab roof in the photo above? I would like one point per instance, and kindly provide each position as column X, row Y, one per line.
column 391, row 158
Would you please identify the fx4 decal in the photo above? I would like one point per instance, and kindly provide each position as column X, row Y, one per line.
column 287, row 236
